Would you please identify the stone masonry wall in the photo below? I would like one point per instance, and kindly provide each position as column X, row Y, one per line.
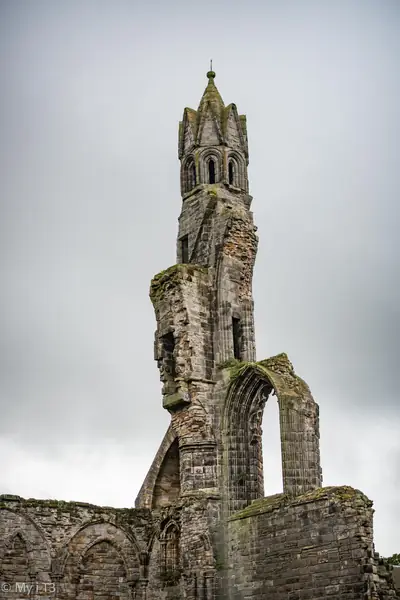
column 69, row 550
column 315, row 546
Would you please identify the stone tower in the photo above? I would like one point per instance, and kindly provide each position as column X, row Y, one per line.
column 205, row 341
column 205, row 349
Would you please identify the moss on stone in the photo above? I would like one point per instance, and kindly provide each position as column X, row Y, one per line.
column 279, row 363
column 238, row 369
column 340, row 494
column 10, row 497
column 277, row 369
column 212, row 190
column 166, row 279
column 228, row 364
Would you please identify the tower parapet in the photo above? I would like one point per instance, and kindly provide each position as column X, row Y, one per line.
column 213, row 146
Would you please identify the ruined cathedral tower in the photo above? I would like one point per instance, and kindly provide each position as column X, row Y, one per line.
column 213, row 388
column 205, row 330
column 208, row 473
column 201, row 528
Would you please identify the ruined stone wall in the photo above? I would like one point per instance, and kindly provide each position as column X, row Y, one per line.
column 181, row 297
column 204, row 216
column 382, row 578
column 77, row 551
column 315, row 546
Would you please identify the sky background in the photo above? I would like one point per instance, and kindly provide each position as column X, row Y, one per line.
column 91, row 96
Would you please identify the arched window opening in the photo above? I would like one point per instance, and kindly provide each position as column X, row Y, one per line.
column 171, row 549
column 271, row 448
column 170, row 571
column 191, row 180
column 231, row 173
column 211, row 171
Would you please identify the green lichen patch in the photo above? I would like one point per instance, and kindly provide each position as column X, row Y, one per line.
column 169, row 278
column 123, row 517
column 261, row 506
column 278, row 370
column 228, row 364
column 10, row 498
column 237, row 368
column 338, row 494
column 279, row 364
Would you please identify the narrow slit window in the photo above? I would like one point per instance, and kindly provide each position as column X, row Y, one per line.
column 236, row 338
column 231, row 173
column 185, row 249
column 211, row 171
column 193, row 168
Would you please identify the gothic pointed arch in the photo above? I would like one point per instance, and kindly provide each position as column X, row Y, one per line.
column 170, row 551
column 165, row 468
column 113, row 578
column 189, row 178
column 26, row 533
column 126, row 550
column 237, row 171
column 19, row 533
column 250, row 387
column 16, row 564
column 210, row 166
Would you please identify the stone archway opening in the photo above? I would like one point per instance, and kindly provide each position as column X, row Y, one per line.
column 16, row 566
column 271, row 448
column 247, row 395
column 102, row 574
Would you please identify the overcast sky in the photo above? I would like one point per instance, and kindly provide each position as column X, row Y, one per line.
column 91, row 95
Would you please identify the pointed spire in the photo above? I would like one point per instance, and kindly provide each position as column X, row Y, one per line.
column 211, row 96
